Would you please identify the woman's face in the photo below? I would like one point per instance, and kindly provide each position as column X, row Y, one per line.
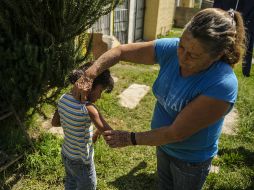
column 193, row 56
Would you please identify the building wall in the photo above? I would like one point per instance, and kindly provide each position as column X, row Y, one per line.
column 187, row 3
column 206, row 4
column 150, row 21
column 158, row 18
column 183, row 16
column 165, row 16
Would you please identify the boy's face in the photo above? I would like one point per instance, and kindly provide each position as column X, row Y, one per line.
column 95, row 93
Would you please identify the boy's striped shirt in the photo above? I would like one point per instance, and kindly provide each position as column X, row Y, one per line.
column 77, row 127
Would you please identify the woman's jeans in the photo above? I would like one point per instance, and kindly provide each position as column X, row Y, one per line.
column 175, row 174
column 79, row 176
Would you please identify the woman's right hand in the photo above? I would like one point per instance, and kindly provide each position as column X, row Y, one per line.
column 81, row 88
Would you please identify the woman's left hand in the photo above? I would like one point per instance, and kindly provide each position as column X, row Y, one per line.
column 116, row 138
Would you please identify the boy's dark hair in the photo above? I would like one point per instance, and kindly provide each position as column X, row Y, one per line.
column 103, row 79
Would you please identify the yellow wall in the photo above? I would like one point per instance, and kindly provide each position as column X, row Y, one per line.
column 158, row 18
column 150, row 21
column 165, row 16
column 187, row 3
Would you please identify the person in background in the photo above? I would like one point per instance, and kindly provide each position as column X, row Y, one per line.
column 195, row 88
column 246, row 8
column 75, row 118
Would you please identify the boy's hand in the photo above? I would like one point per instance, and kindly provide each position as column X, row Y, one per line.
column 96, row 135
column 81, row 88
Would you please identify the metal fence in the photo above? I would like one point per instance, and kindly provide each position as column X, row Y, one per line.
column 121, row 22
column 102, row 25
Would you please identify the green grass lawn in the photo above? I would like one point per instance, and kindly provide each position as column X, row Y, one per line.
column 132, row 167
column 236, row 153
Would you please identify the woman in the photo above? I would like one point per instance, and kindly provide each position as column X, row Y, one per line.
column 195, row 88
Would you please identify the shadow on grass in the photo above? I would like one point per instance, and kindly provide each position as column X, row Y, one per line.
column 135, row 181
column 237, row 155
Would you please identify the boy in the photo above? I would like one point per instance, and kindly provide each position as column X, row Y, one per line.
column 75, row 118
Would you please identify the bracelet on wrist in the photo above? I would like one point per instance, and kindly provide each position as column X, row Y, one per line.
column 133, row 138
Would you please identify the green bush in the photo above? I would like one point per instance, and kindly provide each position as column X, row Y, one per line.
column 40, row 42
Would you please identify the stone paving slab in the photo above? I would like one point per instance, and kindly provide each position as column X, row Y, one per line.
column 131, row 96
column 115, row 78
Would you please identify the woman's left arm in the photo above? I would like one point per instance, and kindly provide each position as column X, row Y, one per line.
column 198, row 114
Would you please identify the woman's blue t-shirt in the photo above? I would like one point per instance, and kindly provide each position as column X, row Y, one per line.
column 173, row 92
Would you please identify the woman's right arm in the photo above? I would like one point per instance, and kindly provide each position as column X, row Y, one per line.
column 142, row 53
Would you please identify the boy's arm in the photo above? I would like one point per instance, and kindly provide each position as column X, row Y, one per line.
column 97, row 118
column 56, row 119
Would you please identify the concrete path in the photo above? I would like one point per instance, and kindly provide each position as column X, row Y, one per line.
column 230, row 123
column 53, row 130
column 131, row 96
column 115, row 78
column 56, row 131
